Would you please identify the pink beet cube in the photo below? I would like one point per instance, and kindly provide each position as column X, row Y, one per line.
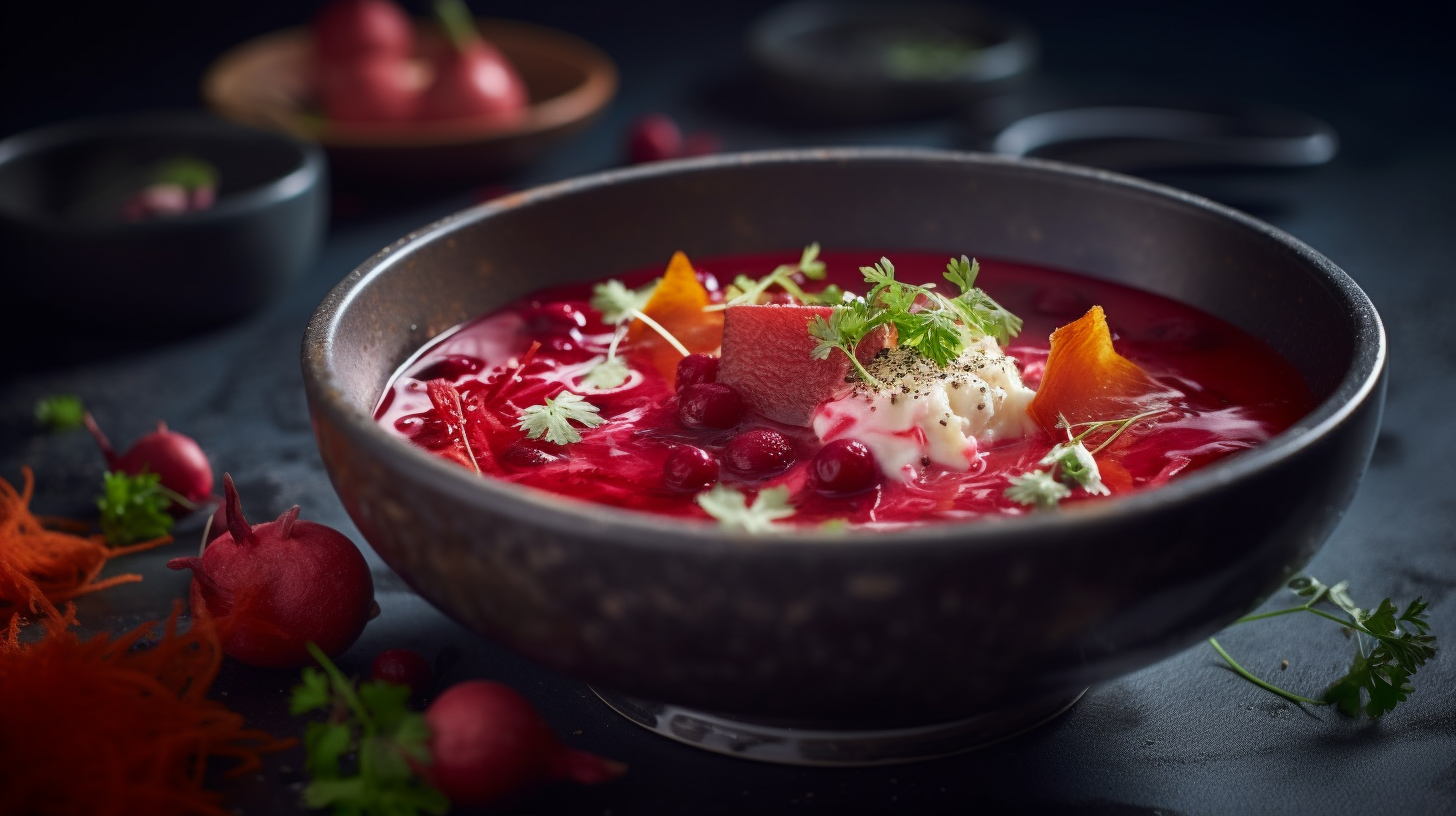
column 766, row 357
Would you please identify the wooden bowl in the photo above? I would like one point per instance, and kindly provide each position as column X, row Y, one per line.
column 268, row 82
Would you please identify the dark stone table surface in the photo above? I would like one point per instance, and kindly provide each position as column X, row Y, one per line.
column 1182, row 736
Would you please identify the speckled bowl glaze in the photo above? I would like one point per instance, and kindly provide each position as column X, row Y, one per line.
column 849, row 629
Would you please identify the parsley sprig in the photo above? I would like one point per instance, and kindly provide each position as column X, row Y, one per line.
column 733, row 512
column 373, row 724
column 60, row 412
column 552, row 419
column 1390, row 647
column 934, row 324
column 1069, row 464
column 134, row 508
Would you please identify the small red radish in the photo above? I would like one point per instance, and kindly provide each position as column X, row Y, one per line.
column 403, row 668
column 274, row 587
column 489, row 747
column 349, row 29
column 472, row 79
column 176, row 458
column 374, row 88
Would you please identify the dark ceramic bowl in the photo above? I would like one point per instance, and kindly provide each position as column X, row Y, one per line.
column 875, row 60
column 883, row 629
column 75, row 262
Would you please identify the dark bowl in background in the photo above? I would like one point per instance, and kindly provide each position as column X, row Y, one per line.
column 849, row 629
column 863, row 61
column 86, row 270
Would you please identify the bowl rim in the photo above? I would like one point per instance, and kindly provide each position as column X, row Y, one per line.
column 641, row 529
column 578, row 103
column 307, row 171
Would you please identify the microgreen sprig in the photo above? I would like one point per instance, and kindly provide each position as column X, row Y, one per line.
column 1069, row 464
column 747, row 290
column 1390, row 647
column 933, row 324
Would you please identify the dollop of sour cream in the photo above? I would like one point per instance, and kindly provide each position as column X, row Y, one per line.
column 927, row 414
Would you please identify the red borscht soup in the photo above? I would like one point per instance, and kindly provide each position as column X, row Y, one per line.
column 842, row 389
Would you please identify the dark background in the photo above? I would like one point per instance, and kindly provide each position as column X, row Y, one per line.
column 1184, row 736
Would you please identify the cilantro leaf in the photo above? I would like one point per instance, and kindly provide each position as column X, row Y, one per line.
column 1384, row 674
column 133, row 508
column 1074, row 463
column 733, row 512
column 617, row 303
column 809, row 263
column 373, row 726
column 313, row 694
column 606, row 373
column 881, row 274
column 1070, row 463
column 933, row 324
column 553, row 418
column 1038, row 488
column 843, row 330
column 325, row 744
column 60, row 412
column 962, row 273
column 987, row 316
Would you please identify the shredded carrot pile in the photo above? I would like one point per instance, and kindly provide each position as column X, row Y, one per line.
column 677, row 305
column 1086, row 379
column 41, row 566
column 117, row 725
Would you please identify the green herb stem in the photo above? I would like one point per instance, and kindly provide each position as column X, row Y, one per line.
column 1244, row 673
column 864, row 373
column 342, row 686
column 459, row 25
column 180, row 499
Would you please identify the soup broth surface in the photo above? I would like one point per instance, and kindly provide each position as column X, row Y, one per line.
column 1232, row 393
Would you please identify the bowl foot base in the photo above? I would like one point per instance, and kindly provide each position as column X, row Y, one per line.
column 788, row 745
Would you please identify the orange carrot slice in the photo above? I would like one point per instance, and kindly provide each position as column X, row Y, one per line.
column 677, row 305
column 1086, row 379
